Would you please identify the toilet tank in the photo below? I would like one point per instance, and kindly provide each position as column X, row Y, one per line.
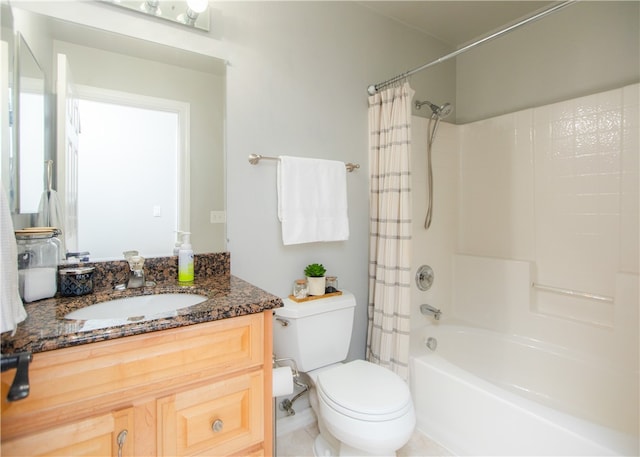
column 314, row 333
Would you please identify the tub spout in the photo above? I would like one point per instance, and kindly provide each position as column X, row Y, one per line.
column 429, row 310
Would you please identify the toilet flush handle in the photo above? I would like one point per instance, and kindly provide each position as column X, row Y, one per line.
column 282, row 321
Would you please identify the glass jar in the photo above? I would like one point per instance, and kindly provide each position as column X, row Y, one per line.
column 37, row 264
column 300, row 289
column 57, row 238
column 331, row 285
column 76, row 281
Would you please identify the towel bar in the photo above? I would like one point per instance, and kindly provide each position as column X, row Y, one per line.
column 255, row 158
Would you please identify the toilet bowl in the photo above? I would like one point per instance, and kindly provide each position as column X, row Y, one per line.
column 362, row 409
column 366, row 407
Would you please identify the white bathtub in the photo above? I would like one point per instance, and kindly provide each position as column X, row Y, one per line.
column 484, row 393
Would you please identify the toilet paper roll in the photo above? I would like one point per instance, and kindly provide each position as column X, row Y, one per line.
column 282, row 381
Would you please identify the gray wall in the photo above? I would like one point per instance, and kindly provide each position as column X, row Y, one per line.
column 585, row 48
column 296, row 85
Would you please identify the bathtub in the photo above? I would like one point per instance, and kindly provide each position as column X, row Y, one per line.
column 485, row 393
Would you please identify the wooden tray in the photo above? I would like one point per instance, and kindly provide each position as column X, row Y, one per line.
column 314, row 297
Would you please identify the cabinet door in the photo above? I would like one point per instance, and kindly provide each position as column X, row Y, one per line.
column 106, row 435
column 217, row 419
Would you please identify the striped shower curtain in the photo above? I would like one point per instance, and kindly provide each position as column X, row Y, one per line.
column 390, row 228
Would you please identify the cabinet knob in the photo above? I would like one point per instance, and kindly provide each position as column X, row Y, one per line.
column 217, row 425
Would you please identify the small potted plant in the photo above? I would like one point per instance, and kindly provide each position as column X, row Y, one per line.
column 315, row 278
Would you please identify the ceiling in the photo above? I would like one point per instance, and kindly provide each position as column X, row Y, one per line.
column 456, row 22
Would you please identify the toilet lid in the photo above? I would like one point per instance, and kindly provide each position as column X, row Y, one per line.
column 362, row 389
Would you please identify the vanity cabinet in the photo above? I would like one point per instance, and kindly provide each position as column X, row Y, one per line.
column 203, row 389
column 106, row 434
column 225, row 416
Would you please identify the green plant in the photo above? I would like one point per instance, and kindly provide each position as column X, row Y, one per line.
column 315, row 270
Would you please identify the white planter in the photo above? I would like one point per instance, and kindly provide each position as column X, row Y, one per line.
column 316, row 285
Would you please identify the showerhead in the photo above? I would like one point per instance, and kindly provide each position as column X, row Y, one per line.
column 438, row 111
column 445, row 110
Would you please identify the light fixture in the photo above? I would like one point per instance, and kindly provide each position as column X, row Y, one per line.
column 194, row 8
column 151, row 7
column 185, row 12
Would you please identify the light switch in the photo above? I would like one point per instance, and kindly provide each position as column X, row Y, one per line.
column 218, row 217
column 157, row 211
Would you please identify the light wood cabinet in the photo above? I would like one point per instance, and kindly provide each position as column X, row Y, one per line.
column 204, row 389
column 225, row 416
column 106, row 434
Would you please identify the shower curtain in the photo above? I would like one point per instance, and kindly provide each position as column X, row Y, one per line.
column 390, row 228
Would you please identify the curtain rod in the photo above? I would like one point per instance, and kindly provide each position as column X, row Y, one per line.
column 372, row 89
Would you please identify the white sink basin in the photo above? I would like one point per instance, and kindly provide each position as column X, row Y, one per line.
column 135, row 309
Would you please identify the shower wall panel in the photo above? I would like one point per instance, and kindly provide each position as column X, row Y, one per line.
column 557, row 186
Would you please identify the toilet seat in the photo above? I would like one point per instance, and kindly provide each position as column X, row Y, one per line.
column 364, row 391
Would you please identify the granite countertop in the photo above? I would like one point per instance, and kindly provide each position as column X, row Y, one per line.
column 46, row 328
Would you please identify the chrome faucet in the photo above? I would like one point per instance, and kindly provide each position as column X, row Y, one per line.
column 136, row 267
column 429, row 310
column 136, row 279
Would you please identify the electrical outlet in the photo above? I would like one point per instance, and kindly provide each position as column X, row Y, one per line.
column 218, row 217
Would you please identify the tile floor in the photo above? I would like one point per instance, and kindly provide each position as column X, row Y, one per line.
column 299, row 443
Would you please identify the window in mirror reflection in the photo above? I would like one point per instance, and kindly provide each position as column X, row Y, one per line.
column 128, row 179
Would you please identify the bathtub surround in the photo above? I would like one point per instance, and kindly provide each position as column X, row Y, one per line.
column 546, row 195
column 390, row 228
column 562, row 195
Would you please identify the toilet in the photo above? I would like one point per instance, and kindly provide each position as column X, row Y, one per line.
column 362, row 409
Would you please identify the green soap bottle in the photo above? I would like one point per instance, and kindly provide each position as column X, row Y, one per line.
column 185, row 260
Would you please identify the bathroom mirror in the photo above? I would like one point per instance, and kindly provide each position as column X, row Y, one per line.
column 106, row 62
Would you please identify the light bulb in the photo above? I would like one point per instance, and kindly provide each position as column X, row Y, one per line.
column 197, row 6
column 151, row 7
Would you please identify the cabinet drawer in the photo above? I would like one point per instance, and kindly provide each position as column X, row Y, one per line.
column 226, row 416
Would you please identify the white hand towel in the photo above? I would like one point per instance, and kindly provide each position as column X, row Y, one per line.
column 312, row 200
column 11, row 308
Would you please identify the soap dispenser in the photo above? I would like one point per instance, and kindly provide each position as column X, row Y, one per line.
column 179, row 241
column 185, row 260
